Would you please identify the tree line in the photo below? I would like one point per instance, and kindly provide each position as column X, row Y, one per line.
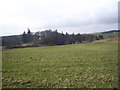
column 48, row 37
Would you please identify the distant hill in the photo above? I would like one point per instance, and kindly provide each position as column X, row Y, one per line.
column 108, row 34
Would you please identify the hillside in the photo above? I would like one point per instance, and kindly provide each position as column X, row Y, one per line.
column 89, row 65
column 108, row 34
column 110, row 40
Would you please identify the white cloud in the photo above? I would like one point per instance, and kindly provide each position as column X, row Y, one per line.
column 68, row 15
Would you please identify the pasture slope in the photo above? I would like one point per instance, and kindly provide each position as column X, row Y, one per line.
column 107, row 35
column 89, row 65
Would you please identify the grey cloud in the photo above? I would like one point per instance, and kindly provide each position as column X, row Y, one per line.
column 65, row 15
column 8, row 29
column 78, row 22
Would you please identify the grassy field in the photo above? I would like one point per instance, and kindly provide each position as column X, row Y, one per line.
column 89, row 65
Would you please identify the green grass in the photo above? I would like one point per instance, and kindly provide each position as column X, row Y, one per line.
column 90, row 65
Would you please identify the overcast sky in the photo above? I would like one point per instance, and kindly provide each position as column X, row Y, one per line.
column 72, row 16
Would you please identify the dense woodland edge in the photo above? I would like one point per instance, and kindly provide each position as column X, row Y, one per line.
column 48, row 38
